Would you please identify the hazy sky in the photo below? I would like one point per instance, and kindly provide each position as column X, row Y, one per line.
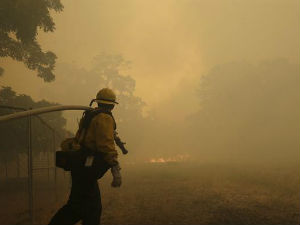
column 170, row 43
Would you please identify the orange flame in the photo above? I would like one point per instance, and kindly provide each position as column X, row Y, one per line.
column 177, row 158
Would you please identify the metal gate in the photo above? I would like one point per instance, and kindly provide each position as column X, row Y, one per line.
column 29, row 179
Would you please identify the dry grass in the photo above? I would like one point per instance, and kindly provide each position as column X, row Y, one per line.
column 194, row 194
column 204, row 194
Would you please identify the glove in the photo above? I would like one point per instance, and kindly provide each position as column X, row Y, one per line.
column 117, row 179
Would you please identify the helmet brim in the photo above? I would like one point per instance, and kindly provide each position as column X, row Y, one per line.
column 106, row 102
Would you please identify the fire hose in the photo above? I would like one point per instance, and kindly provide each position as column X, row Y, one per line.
column 42, row 110
column 33, row 112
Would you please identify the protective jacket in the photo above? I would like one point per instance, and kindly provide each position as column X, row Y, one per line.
column 96, row 133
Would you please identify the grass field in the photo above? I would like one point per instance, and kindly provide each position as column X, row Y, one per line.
column 175, row 193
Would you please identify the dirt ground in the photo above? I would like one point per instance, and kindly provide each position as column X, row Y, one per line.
column 183, row 193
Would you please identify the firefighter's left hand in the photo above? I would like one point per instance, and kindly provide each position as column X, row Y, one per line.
column 117, row 181
column 117, row 178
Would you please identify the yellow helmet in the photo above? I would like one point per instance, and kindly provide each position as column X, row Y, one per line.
column 106, row 96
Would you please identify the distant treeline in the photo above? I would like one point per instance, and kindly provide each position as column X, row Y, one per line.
column 249, row 112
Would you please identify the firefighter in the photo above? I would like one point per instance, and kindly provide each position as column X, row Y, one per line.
column 95, row 142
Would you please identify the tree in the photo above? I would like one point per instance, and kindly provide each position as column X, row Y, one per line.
column 20, row 21
column 249, row 112
column 78, row 86
column 108, row 68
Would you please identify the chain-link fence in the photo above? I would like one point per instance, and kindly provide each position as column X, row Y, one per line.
column 29, row 180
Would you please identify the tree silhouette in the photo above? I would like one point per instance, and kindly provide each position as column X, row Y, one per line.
column 76, row 85
column 19, row 24
column 108, row 67
column 249, row 110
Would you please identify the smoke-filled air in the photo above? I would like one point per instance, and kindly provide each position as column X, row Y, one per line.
column 208, row 110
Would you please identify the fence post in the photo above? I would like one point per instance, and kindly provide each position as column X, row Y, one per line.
column 48, row 165
column 18, row 165
column 54, row 164
column 6, row 172
column 30, row 171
